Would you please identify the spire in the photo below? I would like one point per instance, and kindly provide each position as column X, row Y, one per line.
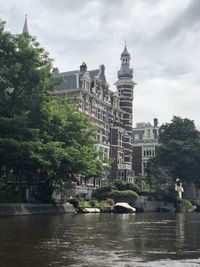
column 25, row 28
column 125, row 71
column 125, row 53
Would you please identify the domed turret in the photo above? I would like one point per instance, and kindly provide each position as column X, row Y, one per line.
column 125, row 72
column 125, row 53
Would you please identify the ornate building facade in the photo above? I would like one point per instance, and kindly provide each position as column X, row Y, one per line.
column 145, row 141
column 110, row 112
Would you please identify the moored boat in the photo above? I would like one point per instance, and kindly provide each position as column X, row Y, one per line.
column 90, row 210
column 123, row 207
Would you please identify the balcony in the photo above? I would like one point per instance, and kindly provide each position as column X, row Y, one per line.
column 124, row 166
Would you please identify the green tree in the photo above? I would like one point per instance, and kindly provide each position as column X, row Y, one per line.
column 158, row 177
column 102, row 192
column 178, row 154
column 123, row 185
column 142, row 182
column 43, row 140
column 123, row 196
column 180, row 130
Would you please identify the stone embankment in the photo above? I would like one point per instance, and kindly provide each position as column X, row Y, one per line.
column 29, row 209
column 144, row 204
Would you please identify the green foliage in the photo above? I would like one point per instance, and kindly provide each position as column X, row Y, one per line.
column 179, row 151
column 93, row 203
column 180, row 130
column 42, row 138
column 9, row 196
column 84, row 204
column 123, row 196
column 158, row 177
column 195, row 202
column 74, row 202
column 122, row 185
column 142, row 182
column 109, row 202
column 101, row 193
column 177, row 156
column 183, row 205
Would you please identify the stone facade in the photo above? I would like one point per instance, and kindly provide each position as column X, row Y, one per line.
column 110, row 112
column 145, row 141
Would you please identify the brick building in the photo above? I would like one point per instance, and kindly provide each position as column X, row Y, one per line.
column 110, row 112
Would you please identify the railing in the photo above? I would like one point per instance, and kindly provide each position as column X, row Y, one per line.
column 125, row 166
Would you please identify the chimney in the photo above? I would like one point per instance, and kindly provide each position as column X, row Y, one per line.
column 155, row 122
column 83, row 67
column 55, row 70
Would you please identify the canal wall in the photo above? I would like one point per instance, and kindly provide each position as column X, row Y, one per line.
column 29, row 209
column 144, row 204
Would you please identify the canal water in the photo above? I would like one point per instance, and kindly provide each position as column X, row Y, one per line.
column 142, row 239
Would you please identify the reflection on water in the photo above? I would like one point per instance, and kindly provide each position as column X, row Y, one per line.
column 142, row 239
column 180, row 230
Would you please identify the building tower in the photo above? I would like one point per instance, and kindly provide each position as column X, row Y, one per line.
column 25, row 28
column 125, row 87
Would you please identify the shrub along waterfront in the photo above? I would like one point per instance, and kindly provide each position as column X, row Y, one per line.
column 106, row 196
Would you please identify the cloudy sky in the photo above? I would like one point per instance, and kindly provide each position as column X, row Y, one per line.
column 163, row 39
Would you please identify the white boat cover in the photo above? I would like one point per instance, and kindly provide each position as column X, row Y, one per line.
column 124, row 205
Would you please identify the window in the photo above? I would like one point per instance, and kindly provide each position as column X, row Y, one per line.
column 148, row 133
column 136, row 136
column 99, row 114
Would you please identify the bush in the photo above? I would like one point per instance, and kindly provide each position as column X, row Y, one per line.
column 74, row 202
column 122, row 186
column 183, row 205
column 9, row 196
column 109, row 202
column 124, row 196
column 101, row 192
column 84, row 204
column 195, row 202
column 94, row 203
column 133, row 187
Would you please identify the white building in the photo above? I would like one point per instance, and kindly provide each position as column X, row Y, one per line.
column 145, row 141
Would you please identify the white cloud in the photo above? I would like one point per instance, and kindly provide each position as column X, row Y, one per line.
column 162, row 36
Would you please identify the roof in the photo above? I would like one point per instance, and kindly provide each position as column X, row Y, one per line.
column 125, row 52
column 93, row 73
column 68, row 82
